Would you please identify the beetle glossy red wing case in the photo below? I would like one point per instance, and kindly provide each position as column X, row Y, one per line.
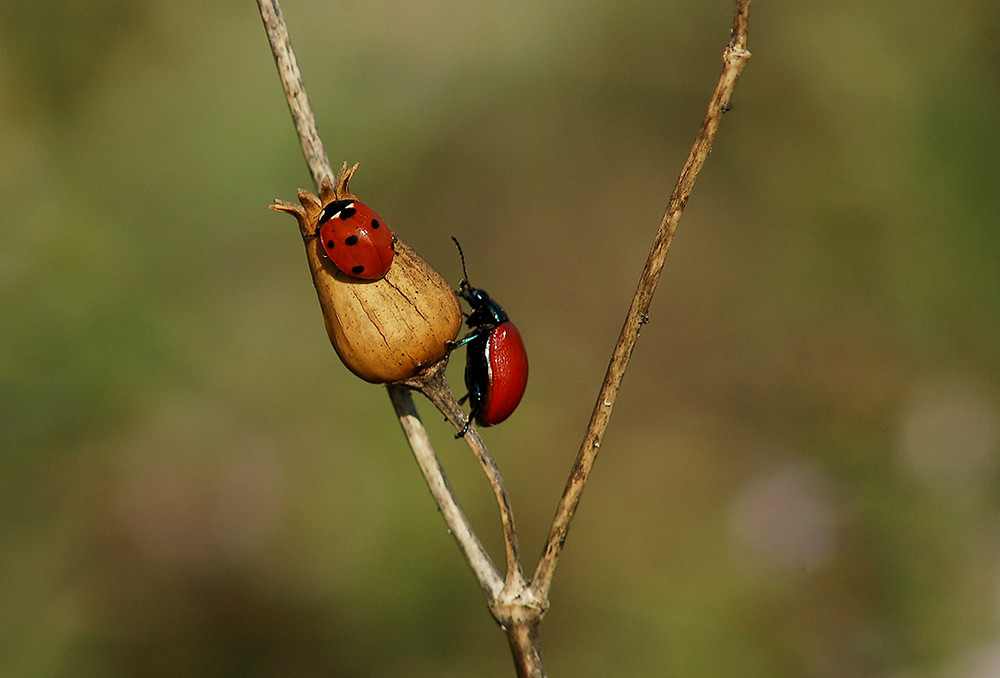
column 508, row 365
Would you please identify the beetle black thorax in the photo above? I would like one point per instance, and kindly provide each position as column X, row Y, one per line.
column 485, row 311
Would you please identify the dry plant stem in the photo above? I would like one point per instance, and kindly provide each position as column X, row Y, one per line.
column 319, row 167
column 454, row 517
column 295, row 91
column 734, row 58
column 517, row 604
column 526, row 646
column 515, row 607
column 436, row 390
column 511, row 601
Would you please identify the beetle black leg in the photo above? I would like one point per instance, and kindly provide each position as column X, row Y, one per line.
column 452, row 345
column 465, row 429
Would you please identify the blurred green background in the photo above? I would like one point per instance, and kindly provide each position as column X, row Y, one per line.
column 801, row 476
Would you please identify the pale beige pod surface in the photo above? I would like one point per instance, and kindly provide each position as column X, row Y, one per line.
column 384, row 330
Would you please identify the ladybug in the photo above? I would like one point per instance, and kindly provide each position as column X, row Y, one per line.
column 496, row 364
column 356, row 239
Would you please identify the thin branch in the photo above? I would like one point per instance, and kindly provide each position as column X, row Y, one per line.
column 454, row 517
column 734, row 58
column 526, row 647
column 436, row 390
column 319, row 166
column 295, row 91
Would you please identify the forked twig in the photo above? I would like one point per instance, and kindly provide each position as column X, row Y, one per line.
column 518, row 604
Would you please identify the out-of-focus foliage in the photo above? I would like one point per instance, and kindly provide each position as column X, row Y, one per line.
column 801, row 477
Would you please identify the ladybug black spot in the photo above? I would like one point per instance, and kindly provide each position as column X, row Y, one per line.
column 351, row 240
column 347, row 213
column 358, row 270
column 375, row 223
column 329, row 244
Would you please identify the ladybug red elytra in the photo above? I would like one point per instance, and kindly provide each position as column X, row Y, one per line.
column 496, row 364
column 356, row 239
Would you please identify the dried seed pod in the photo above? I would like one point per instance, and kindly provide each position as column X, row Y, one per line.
column 384, row 330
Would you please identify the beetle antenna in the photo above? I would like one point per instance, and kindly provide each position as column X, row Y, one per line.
column 461, row 255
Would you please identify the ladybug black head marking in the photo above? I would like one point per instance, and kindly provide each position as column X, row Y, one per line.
column 343, row 208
